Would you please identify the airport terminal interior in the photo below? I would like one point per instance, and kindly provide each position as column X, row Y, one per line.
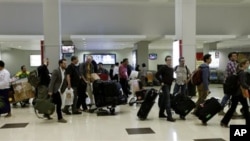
column 144, row 31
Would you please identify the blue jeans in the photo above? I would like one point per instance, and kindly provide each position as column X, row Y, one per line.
column 224, row 100
column 178, row 87
column 165, row 102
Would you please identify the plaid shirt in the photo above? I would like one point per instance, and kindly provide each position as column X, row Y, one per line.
column 231, row 69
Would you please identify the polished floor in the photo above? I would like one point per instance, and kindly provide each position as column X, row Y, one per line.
column 124, row 126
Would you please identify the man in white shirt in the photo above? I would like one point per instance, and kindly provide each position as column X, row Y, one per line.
column 4, row 89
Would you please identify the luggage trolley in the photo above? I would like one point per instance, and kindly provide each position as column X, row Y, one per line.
column 107, row 94
column 20, row 91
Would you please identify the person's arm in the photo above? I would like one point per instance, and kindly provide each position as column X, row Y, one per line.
column 68, row 80
column 243, row 80
column 18, row 73
column 158, row 75
column 68, row 72
column 53, row 81
column 205, row 77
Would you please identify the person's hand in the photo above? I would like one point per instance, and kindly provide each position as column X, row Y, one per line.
column 50, row 93
column 69, row 87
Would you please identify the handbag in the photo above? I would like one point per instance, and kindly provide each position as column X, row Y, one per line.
column 44, row 106
column 68, row 97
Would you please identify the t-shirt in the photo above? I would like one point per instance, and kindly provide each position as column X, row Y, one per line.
column 22, row 74
column 73, row 72
column 181, row 74
column 4, row 79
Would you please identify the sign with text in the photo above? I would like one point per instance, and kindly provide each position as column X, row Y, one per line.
column 239, row 133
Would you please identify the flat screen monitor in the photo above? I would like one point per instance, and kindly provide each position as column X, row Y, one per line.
column 152, row 56
column 68, row 49
column 106, row 59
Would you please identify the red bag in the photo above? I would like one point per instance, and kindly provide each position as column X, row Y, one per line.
column 196, row 78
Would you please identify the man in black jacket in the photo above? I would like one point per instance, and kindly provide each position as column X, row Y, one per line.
column 42, row 89
column 165, row 76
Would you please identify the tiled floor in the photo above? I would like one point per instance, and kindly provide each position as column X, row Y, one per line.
column 90, row 127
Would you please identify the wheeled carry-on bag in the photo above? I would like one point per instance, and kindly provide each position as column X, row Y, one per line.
column 208, row 109
column 147, row 104
column 182, row 104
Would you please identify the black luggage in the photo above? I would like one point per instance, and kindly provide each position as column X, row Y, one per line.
column 182, row 104
column 108, row 93
column 147, row 104
column 208, row 109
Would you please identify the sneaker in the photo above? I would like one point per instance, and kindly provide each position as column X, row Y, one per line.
column 8, row 115
column 66, row 112
column 62, row 120
column 171, row 119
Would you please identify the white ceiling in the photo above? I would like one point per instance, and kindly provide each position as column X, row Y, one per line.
column 118, row 24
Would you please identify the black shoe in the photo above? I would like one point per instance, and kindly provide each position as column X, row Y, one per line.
column 162, row 116
column 77, row 113
column 182, row 117
column 223, row 125
column 66, row 112
column 171, row 119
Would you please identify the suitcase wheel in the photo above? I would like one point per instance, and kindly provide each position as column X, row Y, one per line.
column 112, row 111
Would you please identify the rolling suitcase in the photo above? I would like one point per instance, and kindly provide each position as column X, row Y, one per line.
column 208, row 109
column 182, row 104
column 147, row 104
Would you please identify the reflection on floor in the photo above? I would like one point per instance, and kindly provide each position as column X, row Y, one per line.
column 119, row 127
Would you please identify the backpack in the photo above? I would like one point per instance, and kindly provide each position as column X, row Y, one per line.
column 231, row 85
column 33, row 78
column 196, row 77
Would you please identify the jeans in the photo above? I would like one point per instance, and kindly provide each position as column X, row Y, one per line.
column 224, row 100
column 177, row 87
column 166, row 102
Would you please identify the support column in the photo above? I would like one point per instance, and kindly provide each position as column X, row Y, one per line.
column 185, row 29
column 142, row 52
column 52, row 31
